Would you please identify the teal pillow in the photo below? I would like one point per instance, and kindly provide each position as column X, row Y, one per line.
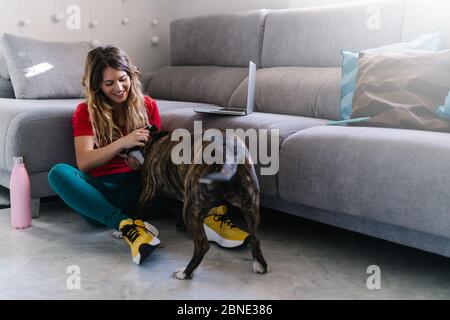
column 431, row 41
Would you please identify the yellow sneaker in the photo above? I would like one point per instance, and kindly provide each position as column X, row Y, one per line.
column 220, row 229
column 141, row 241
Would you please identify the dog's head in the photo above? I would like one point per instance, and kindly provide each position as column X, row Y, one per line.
column 154, row 137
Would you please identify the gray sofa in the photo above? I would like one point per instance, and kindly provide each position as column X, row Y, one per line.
column 388, row 183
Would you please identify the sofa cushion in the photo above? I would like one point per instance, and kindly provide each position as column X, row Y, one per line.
column 206, row 84
column 394, row 176
column 227, row 40
column 45, row 70
column 146, row 78
column 312, row 37
column 288, row 125
column 306, row 92
column 431, row 41
column 6, row 89
column 443, row 111
column 40, row 131
column 4, row 73
column 403, row 89
column 184, row 118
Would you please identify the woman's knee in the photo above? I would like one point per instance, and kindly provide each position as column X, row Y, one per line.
column 58, row 171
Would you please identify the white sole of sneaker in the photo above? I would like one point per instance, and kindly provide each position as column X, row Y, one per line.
column 215, row 237
column 145, row 250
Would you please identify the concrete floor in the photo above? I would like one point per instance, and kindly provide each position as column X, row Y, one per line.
column 308, row 261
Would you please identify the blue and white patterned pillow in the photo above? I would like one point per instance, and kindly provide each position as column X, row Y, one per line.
column 431, row 41
column 444, row 110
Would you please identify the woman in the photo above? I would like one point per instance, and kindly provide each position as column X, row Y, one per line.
column 105, row 188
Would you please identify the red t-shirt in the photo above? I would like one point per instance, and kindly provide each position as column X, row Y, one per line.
column 82, row 127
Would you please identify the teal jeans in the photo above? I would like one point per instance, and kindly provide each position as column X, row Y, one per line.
column 105, row 200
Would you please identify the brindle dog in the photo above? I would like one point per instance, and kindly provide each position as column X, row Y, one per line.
column 202, row 187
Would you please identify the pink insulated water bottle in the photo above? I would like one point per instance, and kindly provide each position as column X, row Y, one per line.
column 20, row 194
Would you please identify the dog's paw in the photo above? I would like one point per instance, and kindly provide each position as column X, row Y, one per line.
column 259, row 268
column 117, row 235
column 180, row 275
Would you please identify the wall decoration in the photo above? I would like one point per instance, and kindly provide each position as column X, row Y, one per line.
column 57, row 16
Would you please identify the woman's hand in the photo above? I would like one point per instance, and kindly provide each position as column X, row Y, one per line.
column 137, row 138
column 133, row 163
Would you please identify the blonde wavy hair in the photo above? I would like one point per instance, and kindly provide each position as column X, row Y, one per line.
column 101, row 112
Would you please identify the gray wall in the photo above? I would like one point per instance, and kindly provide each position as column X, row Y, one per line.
column 191, row 8
column 427, row 16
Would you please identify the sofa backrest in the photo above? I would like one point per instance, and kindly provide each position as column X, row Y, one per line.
column 306, row 92
column 226, row 40
column 307, row 40
column 205, row 84
column 313, row 37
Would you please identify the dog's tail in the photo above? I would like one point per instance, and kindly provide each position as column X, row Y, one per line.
column 235, row 153
column 226, row 174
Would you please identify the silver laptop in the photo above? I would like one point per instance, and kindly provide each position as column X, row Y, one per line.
column 237, row 111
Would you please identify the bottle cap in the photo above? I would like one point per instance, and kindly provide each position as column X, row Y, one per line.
column 17, row 160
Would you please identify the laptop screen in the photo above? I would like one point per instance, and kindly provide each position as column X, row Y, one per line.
column 251, row 87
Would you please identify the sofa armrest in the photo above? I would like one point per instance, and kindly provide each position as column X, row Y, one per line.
column 40, row 131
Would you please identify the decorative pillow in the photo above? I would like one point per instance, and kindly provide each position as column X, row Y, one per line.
column 4, row 73
column 6, row 89
column 431, row 41
column 444, row 110
column 402, row 89
column 45, row 70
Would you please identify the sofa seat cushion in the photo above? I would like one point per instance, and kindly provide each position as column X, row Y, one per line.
column 40, row 131
column 184, row 118
column 306, row 92
column 207, row 84
column 394, row 176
